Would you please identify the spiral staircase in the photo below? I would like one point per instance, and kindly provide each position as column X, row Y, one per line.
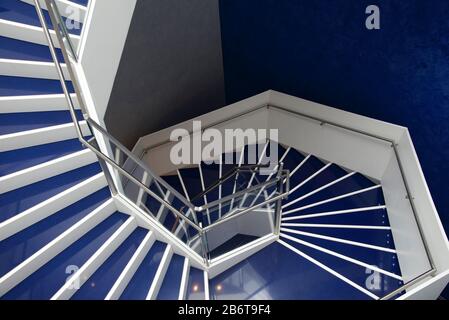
column 63, row 236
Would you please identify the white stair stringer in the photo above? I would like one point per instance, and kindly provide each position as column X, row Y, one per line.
column 30, row 138
column 95, row 261
column 123, row 280
column 56, row 246
column 25, row 32
column 46, row 170
column 51, row 206
column 36, row 103
column 31, row 69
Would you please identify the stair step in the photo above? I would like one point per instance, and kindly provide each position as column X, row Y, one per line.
column 20, row 159
column 16, row 201
column 99, row 284
column 372, row 217
column 351, row 184
column 16, row 122
column 17, row 248
column 384, row 260
column 20, row 86
column 36, row 103
column 378, row 283
column 292, row 159
column 172, row 280
column 21, row 12
column 271, row 273
column 195, row 286
column 29, row 33
column 31, row 69
column 381, row 238
column 46, row 281
column 366, row 198
column 22, row 50
column 326, row 176
column 140, row 283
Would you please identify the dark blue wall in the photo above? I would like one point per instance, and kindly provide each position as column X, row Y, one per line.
column 320, row 50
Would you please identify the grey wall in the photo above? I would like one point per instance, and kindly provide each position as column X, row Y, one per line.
column 171, row 68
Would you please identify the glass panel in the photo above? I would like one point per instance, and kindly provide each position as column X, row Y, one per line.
column 235, row 233
column 69, row 21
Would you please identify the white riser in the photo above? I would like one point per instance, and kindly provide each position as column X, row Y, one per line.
column 160, row 273
column 29, row 33
column 31, row 69
column 184, row 279
column 40, row 258
column 51, row 206
column 131, row 268
column 46, row 170
column 41, row 136
column 36, row 103
column 65, row 8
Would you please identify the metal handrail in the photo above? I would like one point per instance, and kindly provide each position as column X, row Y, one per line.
column 227, row 176
column 237, row 194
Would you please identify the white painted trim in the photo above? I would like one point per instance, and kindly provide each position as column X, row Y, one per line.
column 331, row 271
column 127, row 274
column 332, row 199
column 206, row 285
column 318, row 189
column 305, row 181
column 336, row 226
column 31, row 69
column 184, row 279
column 160, row 273
column 64, row 6
column 343, row 257
column 51, row 206
column 298, row 166
column 52, row 249
column 30, row 138
column 95, row 261
column 332, row 213
column 46, row 170
column 334, row 239
column 36, row 103
column 28, row 33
